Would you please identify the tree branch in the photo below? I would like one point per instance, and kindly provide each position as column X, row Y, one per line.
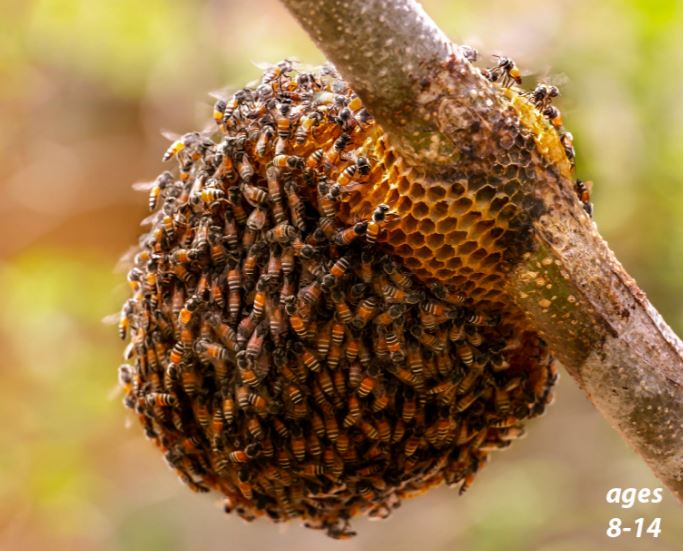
column 451, row 124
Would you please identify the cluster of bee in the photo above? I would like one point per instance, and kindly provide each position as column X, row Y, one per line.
column 277, row 354
column 506, row 72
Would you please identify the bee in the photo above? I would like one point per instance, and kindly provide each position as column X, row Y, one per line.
column 314, row 159
column 542, row 95
column 238, row 456
column 229, row 410
column 379, row 217
column 469, row 53
column 247, row 374
column 567, row 141
column 217, row 250
column 369, row 381
column 331, row 426
column 322, row 339
column 553, row 115
column 398, row 277
column 125, row 316
column 229, row 110
column 294, row 394
column 340, row 267
column 191, row 306
column 334, row 356
column 246, row 398
column 396, row 295
column 256, row 341
column 480, row 320
column 346, row 175
column 290, row 162
column 298, row 443
column 245, row 170
column 347, row 235
column 244, row 484
column 342, row 308
column 317, row 424
column 265, row 136
column 447, row 295
column 281, row 233
column 473, row 336
column 334, row 153
column 296, row 205
column 180, row 144
column 235, row 201
column 209, row 352
column 306, row 125
column 284, row 124
column 506, row 71
column 156, row 188
column 583, row 191
column 309, row 359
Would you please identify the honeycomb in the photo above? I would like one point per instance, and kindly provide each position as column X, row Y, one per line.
column 316, row 330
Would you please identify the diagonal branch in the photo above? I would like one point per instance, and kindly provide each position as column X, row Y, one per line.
column 451, row 124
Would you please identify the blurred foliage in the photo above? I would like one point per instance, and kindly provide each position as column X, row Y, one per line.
column 86, row 86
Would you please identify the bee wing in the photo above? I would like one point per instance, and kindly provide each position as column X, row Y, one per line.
column 126, row 261
column 263, row 65
column 546, row 76
column 110, row 319
column 150, row 219
column 143, row 186
column 170, row 136
column 114, row 392
column 221, row 93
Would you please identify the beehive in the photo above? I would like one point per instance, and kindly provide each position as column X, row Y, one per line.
column 316, row 331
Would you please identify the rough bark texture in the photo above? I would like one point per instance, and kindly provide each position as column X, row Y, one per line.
column 440, row 112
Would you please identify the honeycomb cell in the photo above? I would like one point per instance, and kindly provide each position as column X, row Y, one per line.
column 508, row 212
column 498, row 203
column 434, row 241
column 420, row 210
column 403, row 185
column 416, row 239
column 491, row 260
column 426, row 226
column 435, row 265
column 478, row 255
column 468, row 219
column 397, row 236
column 440, row 210
column 417, row 190
column 455, row 237
column 410, row 261
column 454, row 263
column 481, row 227
column 446, row 226
column 455, row 189
column 423, row 252
column 405, row 251
column 484, row 195
column 443, row 273
column 445, row 252
column 459, row 207
column 436, row 192
column 409, row 222
column 466, row 248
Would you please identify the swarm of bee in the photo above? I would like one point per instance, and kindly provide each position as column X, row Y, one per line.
column 280, row 353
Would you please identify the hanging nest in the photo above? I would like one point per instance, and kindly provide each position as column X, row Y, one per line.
column 315, row 332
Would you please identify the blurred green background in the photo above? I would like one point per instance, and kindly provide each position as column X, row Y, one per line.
column 85, row 88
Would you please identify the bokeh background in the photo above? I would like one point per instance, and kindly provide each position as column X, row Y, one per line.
column 85, row 88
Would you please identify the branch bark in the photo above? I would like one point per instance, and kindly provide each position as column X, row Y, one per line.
column 449, row 121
